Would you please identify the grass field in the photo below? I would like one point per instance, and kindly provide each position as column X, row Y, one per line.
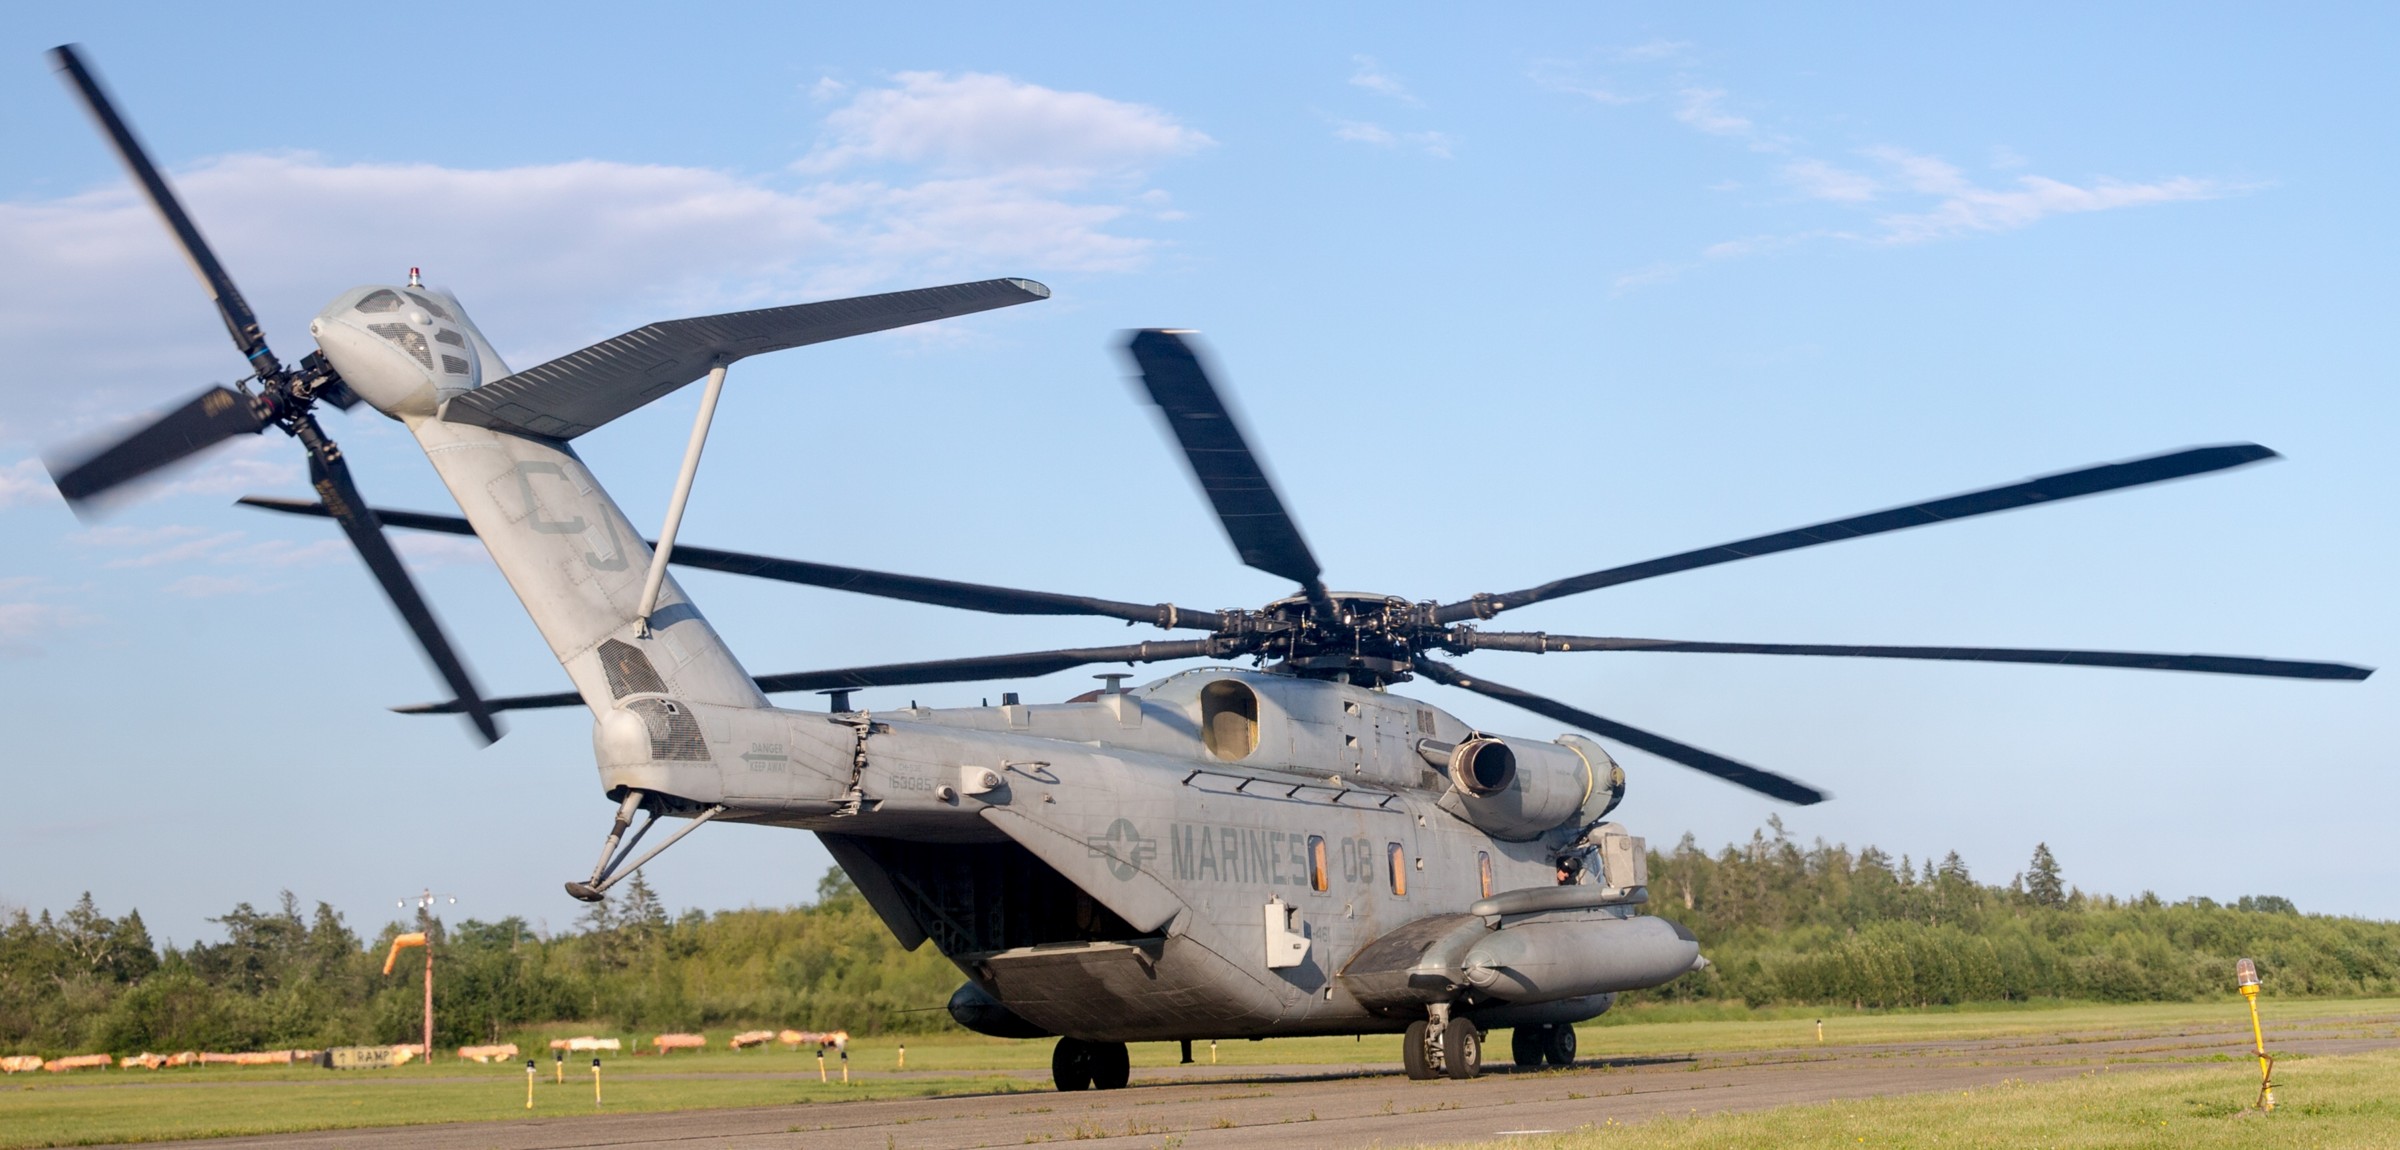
column 2350, row 1102
column 125, row 1105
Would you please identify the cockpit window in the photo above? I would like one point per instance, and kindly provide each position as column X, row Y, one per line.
column 380, row 300
column 431, row 308
column 408, row 339
column 1229, row 719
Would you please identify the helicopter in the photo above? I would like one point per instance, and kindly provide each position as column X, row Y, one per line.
column 1288, row 847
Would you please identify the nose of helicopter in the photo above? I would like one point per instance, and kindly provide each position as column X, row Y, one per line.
column 404, row 350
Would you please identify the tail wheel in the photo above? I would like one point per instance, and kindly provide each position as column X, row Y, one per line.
column 1559, row 1047
column 1071, row 1064
column 1462, row 1049
column 1529, row 1046
column 1413, row 1056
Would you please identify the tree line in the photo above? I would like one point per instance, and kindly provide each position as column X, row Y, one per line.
column 1782, row 923
column 1787, row 924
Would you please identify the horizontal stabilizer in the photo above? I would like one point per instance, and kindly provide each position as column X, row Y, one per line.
column 582, row 390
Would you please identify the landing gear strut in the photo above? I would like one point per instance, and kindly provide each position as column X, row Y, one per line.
column 1077, row 1064
column 1442, row 1045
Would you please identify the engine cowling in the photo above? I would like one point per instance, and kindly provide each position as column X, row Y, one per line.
column 1518, row 790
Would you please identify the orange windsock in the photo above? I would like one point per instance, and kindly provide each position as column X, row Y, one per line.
column 412, row 938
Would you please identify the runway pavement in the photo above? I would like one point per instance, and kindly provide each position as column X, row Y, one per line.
column 1335, row 1107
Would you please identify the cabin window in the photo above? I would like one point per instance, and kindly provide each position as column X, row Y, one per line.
column 1483, row 867
column 1229, row 719
column 430, row 306
column 381, row 300
column 1319, row 876
column 1399, row 868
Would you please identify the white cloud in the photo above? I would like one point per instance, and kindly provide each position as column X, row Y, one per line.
column 210, row 586
column 1655, row 51
column 25, row 626
column 1369, row 75
column 1436, row 144
column 1820, row 180
column 431, row 552
column 1362, row 132
column 183, row 552
column 1964, row 207
column 1704, row 109
column 186, row 547
column 983, row 123
column 1656, row 273
column 927, row 178
column 25, row 483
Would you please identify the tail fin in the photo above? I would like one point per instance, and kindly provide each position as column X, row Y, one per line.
column 573, row 558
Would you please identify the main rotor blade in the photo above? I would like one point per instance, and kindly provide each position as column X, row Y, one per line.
column 240, row 322
column 2046, row 489
column 913, row 588
column 211, row 417
column 1538, row 642
column 1221, row 459
column 331, row 475
column 1708, row 762
column 1027, row 665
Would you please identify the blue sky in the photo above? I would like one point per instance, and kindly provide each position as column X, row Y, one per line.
column 1503, row 297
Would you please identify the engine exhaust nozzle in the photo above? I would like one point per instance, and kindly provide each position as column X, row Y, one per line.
column 1480, row 767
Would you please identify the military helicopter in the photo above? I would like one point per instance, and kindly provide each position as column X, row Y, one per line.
column 1284, row 848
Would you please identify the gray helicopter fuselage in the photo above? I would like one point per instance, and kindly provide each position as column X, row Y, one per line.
column 1173, row 854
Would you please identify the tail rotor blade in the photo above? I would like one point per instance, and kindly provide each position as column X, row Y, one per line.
column 240, row 321
column 214, row 415
column 331, row 475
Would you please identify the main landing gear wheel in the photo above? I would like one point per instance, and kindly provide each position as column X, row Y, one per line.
column 1560, row 1045
column 1462, row 1049
column 1076, row 1064
column 1414, row 1058
column 1526, row 1046
column 1536, row 1046
column 1112, row 1066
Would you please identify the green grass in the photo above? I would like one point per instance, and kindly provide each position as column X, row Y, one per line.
column 152, row 1107
column 2332, row 1102
column 128, row 1105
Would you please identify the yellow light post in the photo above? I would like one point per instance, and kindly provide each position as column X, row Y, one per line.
column 2245, row 973
column 595, row 1082
column 529, row 1073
